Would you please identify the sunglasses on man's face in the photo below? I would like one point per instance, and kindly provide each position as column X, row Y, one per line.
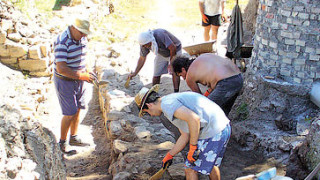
column 83, row 34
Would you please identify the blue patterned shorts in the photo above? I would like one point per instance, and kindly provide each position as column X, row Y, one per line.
column 211, row 151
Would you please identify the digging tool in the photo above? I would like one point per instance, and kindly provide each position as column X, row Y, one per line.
column 159, row 174
column 96, row 81
column 126, row 85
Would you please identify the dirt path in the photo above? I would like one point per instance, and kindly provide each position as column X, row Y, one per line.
column 92, row 162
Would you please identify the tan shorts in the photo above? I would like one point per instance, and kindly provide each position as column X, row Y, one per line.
column 161, row 64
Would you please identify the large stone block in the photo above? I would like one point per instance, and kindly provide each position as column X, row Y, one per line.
column 314, row 57
column 16, row 50
column 43, row 50
column 3, row 36
column 41, row 73
column 6, row 24
column 4, row 52
column 315, row 94
column 8, row 60
column 16, row 37
column 33, row 65
column 34, row 52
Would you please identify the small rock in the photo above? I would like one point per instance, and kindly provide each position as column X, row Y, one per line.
column 122, row 176
column 142, row 132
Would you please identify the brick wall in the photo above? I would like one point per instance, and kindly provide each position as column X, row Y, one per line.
column 287, row 40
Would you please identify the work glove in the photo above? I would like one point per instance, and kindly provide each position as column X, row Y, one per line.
column 205, row 18
column 167, row 160
column 193, row 154
column 206, row 94
column 84, row 76
column 94, row 77
column 89, row 77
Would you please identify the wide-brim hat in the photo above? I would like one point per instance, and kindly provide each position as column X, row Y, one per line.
column 143, row 95
column 82, row 25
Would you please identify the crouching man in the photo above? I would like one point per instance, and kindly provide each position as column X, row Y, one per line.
column 201, row 122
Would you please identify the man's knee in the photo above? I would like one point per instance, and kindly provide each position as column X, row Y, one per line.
column 207, row 29
column 69, row 117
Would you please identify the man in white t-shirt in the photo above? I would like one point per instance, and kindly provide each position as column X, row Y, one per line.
column 201, row 123
column 212, row 12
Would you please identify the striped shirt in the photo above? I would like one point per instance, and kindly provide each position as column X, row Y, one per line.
column 70, row 51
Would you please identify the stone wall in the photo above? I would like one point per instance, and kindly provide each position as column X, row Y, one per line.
column 287, row 40
column 26, row 149
column 23, row 44
column 138, row 144
column 274, row 111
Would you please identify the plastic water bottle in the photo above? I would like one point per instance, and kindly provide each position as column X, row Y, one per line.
column 267, row 175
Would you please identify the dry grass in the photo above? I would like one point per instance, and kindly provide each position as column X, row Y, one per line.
column 31, row 6
column 231, row 3
column 129, row 18
column 188, row 11
column 132, row 16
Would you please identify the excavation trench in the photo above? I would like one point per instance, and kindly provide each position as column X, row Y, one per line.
column 139, row 144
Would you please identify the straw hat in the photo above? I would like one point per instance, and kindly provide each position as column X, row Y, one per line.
column 82, row 25
column 142, row 96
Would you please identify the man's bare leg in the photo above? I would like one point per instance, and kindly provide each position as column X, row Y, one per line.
column 215, row 173
column 176, row 82
column 214, row 32
column 65, row 125
column 206, row 33
column 191, row 174
column 75, row 124
column 156, row 80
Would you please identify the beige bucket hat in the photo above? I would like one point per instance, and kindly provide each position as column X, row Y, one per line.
column 142, row 96
column 82, row 25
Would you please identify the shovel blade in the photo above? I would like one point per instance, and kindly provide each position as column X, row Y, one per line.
column 158, row 175
column 126, row 85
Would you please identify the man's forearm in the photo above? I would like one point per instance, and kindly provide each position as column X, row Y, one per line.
column 182, row 141
column 194, row 87
column 194, row 128
column 173, row 51
column 64, row 70
column 140, row 64
column 222, row 7
column 201, row 7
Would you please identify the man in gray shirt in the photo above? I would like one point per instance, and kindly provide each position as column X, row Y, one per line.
column 165, row 46
column 201, row 122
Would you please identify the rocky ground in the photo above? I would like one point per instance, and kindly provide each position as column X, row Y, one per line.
column 36, row 101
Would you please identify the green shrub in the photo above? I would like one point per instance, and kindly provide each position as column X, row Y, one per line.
column 242, row 111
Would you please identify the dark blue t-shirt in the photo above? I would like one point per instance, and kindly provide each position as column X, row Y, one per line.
column 164, row 39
